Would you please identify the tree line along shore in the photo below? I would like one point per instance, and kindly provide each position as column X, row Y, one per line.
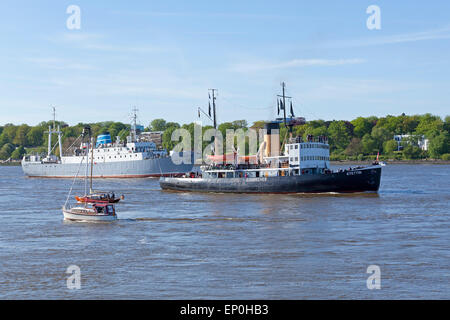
column 424, row 138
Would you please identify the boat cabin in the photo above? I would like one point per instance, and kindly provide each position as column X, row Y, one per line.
column 313, row 154
column 102, row 208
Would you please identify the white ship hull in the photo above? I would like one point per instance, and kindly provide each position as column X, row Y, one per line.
column 156, row 167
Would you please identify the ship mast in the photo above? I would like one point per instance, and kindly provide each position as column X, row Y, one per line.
column 212, row 96
column 284, row 97
column 50, row 132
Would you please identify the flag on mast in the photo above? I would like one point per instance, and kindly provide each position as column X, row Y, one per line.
column 292, row 111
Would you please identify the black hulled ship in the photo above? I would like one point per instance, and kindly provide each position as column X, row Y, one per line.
column 304, row 167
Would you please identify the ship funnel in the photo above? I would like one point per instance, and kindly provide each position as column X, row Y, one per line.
column 272, row 139
column 103, row 139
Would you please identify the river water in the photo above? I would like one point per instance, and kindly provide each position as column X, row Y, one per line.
column 169, row 245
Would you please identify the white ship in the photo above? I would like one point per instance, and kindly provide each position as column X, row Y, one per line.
column 134, row 158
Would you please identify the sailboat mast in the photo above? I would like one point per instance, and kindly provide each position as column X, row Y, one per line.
column 92, row 162
column 86, row 173
column 283, row 85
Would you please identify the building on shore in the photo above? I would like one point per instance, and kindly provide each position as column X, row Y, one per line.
column 401, row 139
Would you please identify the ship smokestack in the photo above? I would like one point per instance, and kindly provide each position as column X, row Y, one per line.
column 272, row 139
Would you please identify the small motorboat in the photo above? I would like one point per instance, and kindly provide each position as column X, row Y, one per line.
column 99, row 197
column 96, row 212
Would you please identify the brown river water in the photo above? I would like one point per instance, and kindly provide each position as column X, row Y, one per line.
column 169, row 245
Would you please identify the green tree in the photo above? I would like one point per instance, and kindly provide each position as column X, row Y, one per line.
column 447, row 124
column 354, row 148
column 20, row 138
column 339, row 135
column 411, row 152
column 390, row 146
column 381, row 135
column 361, row 126
column 409, row 124
column 18, row 153
column 369, row 145
column 123, row 134
column 172, row 124
column 6, row 150
column 258, row 124
column 8, row 133
column 35, row 136
column 429, row 125
column 393, row 124
column 68, row 132
column 223, row 127
column 239, row 124
column 158, row 125
column 114, row 129
column 167, row 138
column 439, row 145
column 315, row 128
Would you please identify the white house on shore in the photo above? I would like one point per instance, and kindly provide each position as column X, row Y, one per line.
column 421, row 141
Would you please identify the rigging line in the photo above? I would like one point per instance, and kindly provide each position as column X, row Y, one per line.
column 53, row 147
column 73, row 143
column 284, row 140
column 73, row 182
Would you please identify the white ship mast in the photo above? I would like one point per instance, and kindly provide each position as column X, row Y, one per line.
column 52, row 131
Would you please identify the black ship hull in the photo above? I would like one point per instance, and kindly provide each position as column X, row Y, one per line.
column 356, row 180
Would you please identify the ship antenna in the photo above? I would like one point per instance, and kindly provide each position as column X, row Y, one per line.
column 54, row 118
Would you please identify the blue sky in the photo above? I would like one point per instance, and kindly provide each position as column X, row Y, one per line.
column 162, row 56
